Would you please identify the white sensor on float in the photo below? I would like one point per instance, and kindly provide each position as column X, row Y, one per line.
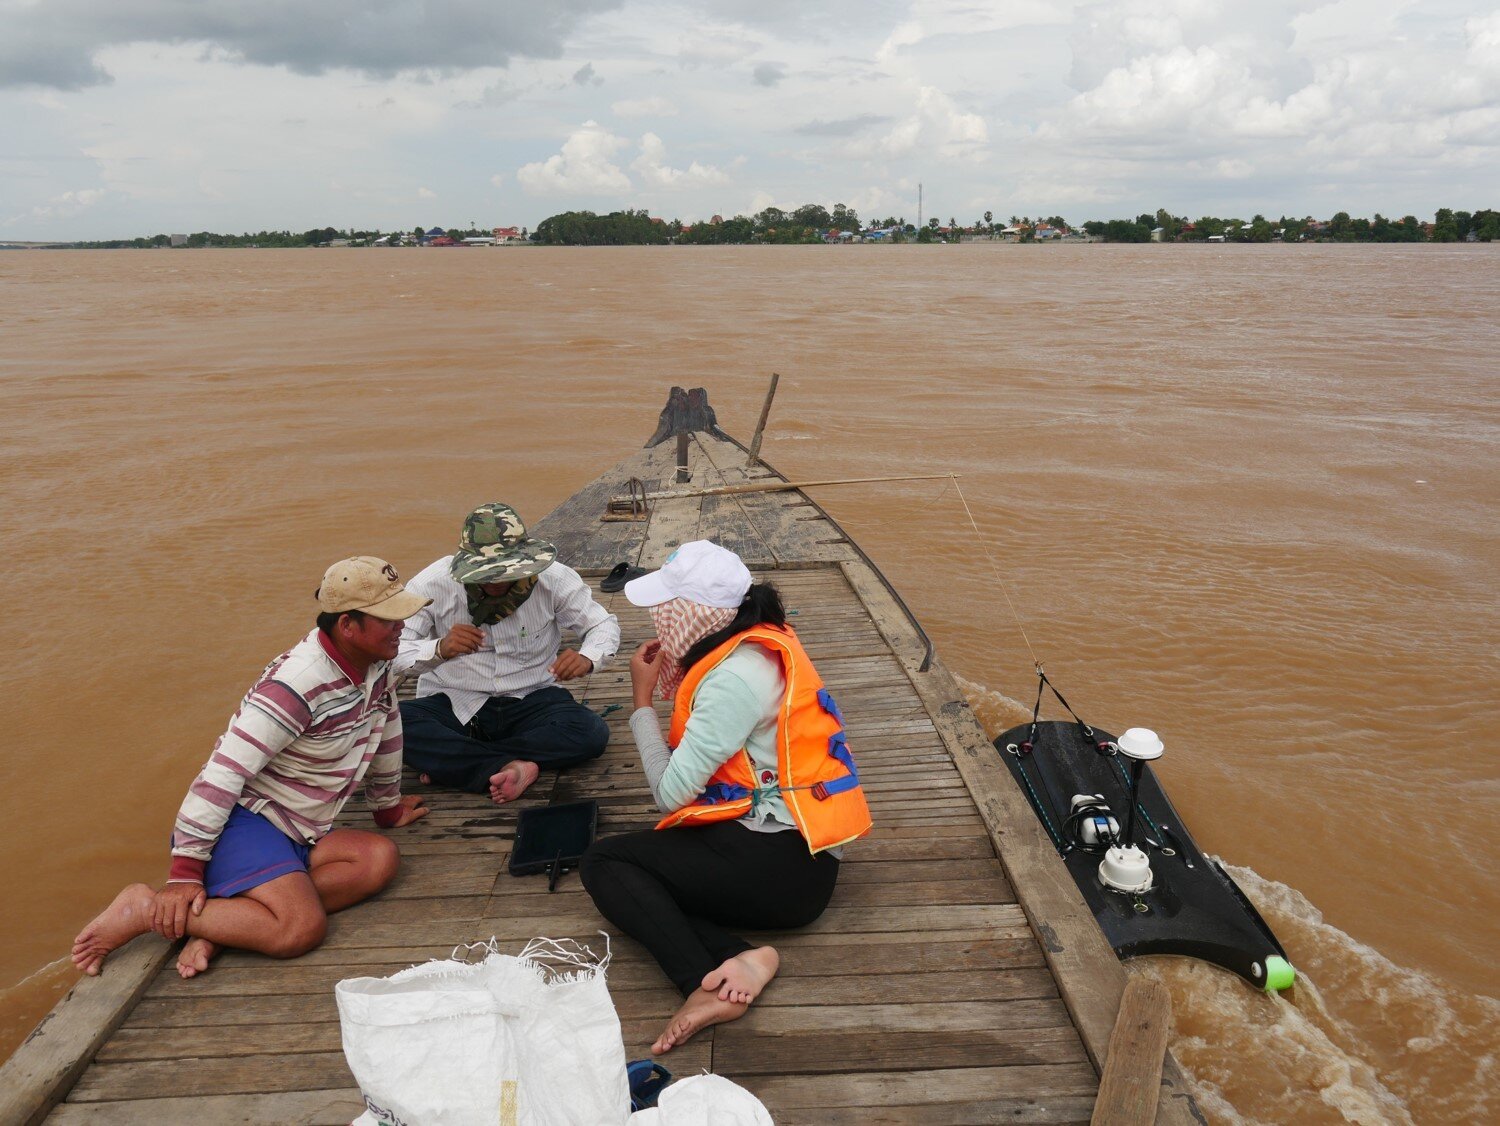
column 1140, row 743
column 1126, row 869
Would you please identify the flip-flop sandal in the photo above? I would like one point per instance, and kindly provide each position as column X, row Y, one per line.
column 646, row 1079
column 619, row 576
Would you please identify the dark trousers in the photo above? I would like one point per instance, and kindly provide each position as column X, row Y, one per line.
column 547, row 727
column 675, row 890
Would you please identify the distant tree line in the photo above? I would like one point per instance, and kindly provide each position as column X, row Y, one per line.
column 812, row 222
column 1447, row 226
column 808, row 223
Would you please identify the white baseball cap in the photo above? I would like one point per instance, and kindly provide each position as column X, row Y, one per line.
column 700, row 571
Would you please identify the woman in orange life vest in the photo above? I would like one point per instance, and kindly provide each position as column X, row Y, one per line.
column 756, row 781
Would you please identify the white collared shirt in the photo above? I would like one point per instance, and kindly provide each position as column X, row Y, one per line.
column 516, row 656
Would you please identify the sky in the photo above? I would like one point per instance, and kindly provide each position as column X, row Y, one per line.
column 121, row 118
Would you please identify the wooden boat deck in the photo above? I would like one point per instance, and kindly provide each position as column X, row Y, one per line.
column 922, row 995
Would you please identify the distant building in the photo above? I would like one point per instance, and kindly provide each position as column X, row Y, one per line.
column 507, row 234
column 1158, row 234
column 178, row 240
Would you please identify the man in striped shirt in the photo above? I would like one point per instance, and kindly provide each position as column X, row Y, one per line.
column 490, row 712
column 256, row 862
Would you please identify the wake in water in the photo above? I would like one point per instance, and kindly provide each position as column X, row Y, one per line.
column 1359, row 1039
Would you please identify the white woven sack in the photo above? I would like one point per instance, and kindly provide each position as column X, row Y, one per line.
column 507, row 1041
column 429, row 1045
column 568, row 1035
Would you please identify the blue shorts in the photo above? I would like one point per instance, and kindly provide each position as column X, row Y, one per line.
column 249, row 852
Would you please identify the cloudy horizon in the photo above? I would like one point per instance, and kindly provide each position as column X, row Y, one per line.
column 152, row 116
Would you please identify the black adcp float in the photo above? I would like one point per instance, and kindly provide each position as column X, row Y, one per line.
column 1164, row 898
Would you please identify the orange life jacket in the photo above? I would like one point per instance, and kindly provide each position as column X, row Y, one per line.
column 817, row 774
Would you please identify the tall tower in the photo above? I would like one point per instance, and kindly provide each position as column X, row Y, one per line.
column 919, row 205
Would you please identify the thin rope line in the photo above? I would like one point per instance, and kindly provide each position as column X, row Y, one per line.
column 739, row 503
column 994, row 569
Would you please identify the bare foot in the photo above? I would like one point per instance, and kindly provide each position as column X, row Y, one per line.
column 741, row 978
column 128, row 916
column 195, row 956
column 426, row 779
column 698, row 1012
column 513, row 780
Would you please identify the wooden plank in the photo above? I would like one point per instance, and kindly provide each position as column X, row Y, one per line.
column 129, row 1044
column 807, row 1053
column 956, row 1016
column 923, row 1088
column 210, row 1075
column 312, row 1108
column 1130, row 1087
column 1016, row 1108
column 49, row 1062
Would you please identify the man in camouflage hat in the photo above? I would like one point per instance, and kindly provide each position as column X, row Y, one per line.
column 489, row 713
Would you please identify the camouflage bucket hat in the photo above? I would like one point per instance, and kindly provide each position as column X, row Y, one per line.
column 494, row 548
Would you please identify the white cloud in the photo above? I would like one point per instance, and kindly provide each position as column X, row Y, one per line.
column 644, row 107
column 426, row 193
column 654, row 171
column 1114, row 106
column 582, row 167
column 68, row 205
column 716, row 47
column 936, row 125
column 769, row 74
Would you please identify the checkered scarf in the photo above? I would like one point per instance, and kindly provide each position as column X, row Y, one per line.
column 680, row 624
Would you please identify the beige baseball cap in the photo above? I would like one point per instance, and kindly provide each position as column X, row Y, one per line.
column 370, row 586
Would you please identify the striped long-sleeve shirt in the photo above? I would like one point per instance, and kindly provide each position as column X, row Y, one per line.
column 304, row 738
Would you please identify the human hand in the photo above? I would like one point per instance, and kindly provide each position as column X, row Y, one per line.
column 461, row 640
column 645, row 670
column 413, row 808
column 170, row 907
column 571, row 664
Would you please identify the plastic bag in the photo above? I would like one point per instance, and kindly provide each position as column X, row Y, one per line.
column 704, row 1100
column 531, row 1040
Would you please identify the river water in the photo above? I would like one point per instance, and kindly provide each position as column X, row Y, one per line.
column 1245, row 496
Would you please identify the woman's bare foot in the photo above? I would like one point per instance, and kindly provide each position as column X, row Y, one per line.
column 741, row 978
column 698, row 1012
column 195, row 956
column 128, row 916
column 513, row 780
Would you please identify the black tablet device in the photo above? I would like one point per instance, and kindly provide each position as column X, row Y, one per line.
column 553, row 836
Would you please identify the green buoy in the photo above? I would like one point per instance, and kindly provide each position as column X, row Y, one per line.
column 1279, row 974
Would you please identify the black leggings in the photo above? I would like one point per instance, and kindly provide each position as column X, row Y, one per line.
column 673, row 890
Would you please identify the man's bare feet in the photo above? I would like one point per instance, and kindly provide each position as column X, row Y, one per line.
column 195, row 956
column 698, row 1012
column 128, row 916
column 512, row 780
column 741, row 978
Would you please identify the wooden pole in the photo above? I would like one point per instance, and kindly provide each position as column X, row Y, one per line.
column 778, row 486
column 765, row 413
column 683, row 475
column 1130, row 1087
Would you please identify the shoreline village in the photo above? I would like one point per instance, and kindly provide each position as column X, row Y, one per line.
column 815, row 224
